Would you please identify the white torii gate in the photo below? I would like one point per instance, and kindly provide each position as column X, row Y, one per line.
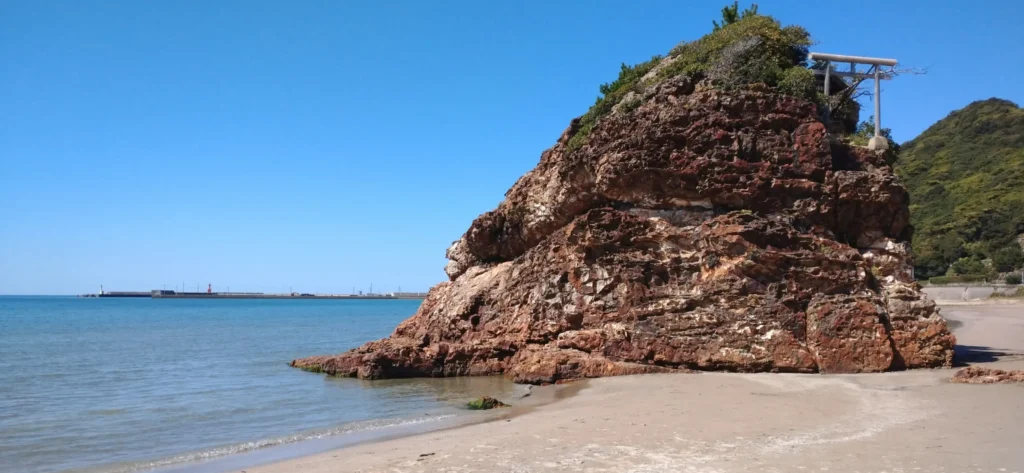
column 878, row 141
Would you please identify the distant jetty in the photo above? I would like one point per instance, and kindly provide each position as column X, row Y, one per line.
column 165, row 294
column 120, row 294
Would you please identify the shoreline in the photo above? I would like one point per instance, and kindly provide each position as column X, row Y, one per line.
column 222, row 459
column 535, row 398
column 990, row 334
column 739, row 422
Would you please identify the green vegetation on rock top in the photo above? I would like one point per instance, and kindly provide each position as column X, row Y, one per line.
column 483, row 403
column 746, row 48
column 965, row 175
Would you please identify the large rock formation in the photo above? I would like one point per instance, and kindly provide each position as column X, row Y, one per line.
column 704, row 230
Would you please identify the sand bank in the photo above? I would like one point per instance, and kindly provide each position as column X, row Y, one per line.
column 715, row 422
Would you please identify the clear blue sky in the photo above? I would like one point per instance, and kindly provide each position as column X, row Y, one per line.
column 323, row 145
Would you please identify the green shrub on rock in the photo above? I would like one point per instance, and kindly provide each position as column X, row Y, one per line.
column 759, row 38
column 484, row 403
column 752, row 49
column 611, row 94
column 799, row 82
column 866, row 130
column 731, row 14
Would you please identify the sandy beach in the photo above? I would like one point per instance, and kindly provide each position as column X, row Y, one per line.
column 719, row 422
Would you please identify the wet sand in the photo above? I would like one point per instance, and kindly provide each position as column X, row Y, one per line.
column 717, row 422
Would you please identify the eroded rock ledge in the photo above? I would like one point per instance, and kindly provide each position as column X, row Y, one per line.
column 979, row 375
column 705, row 230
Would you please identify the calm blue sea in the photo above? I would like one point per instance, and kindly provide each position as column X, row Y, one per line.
column 125, row 385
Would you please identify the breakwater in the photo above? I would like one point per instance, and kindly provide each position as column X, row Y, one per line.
column 165, row 294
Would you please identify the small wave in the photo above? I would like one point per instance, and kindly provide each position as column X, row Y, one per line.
column 272, row 442
column 106, row 412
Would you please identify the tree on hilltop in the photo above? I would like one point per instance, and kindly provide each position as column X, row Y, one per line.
column 732, row 14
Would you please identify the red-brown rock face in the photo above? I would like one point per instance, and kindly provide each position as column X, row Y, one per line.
column 979, row 375
column 705, row 230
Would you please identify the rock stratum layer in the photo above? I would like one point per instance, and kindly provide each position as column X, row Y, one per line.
column 704, row 230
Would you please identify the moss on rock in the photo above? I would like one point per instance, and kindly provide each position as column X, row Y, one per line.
column 484, row 403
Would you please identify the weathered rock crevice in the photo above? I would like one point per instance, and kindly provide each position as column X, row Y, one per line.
column 703, row 230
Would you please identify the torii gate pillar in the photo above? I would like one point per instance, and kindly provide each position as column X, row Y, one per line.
column 877, row 142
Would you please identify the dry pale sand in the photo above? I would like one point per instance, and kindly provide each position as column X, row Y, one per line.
column 712, row 422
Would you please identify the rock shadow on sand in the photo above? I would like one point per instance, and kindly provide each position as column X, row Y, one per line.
column 965, row 355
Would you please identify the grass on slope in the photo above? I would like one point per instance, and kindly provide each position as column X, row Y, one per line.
column 965, row 175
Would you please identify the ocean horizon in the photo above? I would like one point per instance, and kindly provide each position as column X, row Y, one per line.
column 103, row 385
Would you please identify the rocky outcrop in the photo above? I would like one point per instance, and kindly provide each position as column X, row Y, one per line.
column 485, row 403
column 977, row 375
column 704, row 230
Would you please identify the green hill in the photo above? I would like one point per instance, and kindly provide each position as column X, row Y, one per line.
column 965, row 175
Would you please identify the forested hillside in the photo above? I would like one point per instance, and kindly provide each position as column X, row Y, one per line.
column 965, row 175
